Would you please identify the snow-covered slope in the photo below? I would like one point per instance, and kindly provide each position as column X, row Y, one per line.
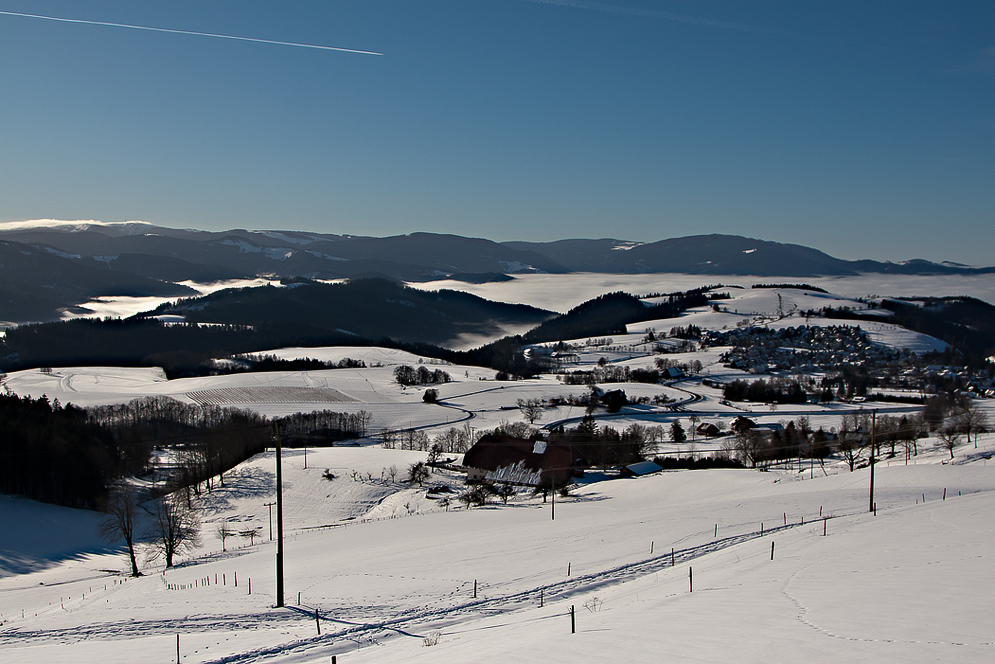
column 909, row 584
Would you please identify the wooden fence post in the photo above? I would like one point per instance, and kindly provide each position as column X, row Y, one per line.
column 573, row 623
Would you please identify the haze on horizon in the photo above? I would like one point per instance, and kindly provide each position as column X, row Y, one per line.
column 863, row 129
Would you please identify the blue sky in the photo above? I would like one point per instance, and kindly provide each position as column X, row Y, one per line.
column 865, row 129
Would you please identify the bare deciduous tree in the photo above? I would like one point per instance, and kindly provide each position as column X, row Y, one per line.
column 176, row 528
column 694, row 419
column 224, row 532
column 505, row 491
column 750, row 447
column 475, row 495
column 971, row 419
column 531, row 409
column 120, row 522
column 850, row 446
column 418, row 473
column 949, row 439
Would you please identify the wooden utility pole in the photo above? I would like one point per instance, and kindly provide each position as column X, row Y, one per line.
column 270, row 506
column 874, row 414
column 279, row 519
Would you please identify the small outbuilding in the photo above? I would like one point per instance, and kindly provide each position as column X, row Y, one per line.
column 639, row 469
column 708, row 430
column 742, row 424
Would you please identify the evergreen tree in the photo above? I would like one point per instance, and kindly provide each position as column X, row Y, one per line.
column 677, row 432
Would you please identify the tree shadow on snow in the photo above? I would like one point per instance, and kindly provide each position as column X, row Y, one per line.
column 240, row 484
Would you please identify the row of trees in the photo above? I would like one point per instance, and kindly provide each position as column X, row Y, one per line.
column 246, row 363
column 208, row 440
column 322, row 426
column 776, row 390
column 406, row 375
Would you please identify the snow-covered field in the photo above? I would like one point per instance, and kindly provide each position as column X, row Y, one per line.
column 912, row 584
column 702, row 566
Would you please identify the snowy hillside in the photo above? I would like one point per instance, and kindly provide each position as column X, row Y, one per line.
column 909, row 584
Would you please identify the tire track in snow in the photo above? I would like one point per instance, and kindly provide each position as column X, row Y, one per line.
column 357, row 631
column 355, row 627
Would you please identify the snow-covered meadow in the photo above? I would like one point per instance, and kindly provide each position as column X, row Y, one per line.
column 664, row 567
column 706, row 566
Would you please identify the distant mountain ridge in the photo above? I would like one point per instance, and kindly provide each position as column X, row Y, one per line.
column 717, row 254
column 47, row 269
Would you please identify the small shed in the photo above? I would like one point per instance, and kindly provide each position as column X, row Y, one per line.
column 708, row 430
column 640, row 469
column 741, row 424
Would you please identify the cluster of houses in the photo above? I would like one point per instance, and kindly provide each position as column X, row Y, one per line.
column 831, row 348
column 761, row 350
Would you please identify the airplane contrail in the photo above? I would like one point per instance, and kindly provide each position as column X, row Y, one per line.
column 188, row 32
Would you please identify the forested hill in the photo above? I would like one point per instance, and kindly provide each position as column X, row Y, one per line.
column 364, row 308
column 244, row 320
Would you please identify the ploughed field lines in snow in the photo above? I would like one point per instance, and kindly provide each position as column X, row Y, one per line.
column 225, row 396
